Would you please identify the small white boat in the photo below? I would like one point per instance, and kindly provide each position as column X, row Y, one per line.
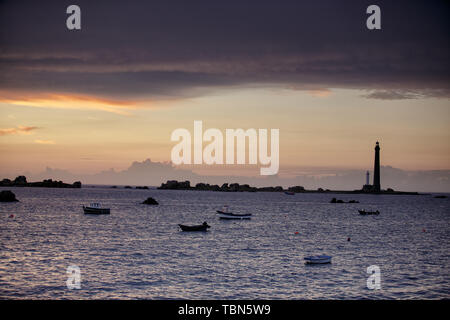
column 95, row 208
column 226, row 215
column 317, row 259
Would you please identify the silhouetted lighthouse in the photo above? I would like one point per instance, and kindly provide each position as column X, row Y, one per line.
column 376, row 170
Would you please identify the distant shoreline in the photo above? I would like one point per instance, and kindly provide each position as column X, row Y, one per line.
column 236, row 187
column 185, row 185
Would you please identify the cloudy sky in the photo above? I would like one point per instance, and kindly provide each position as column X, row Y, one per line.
column 112, row 92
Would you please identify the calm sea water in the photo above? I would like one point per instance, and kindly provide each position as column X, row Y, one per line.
column 138, row 252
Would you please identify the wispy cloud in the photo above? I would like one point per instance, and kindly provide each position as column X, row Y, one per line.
column 320, row 93
column 401, row 94
column 67, row 101
column 17, row 130
column 38, row 141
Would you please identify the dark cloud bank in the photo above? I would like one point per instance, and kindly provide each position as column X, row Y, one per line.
column 166, row 49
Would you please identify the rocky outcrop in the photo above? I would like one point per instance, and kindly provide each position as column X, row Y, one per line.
column 271, row 189
column 7, row 196
column 175, row 185
column 150, row 201
column 21, row 181
column 232, row 187
column 77, row 184
column 334, row 200
column 296, row 189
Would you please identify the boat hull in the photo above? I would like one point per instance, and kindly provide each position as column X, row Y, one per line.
column 88, row 210
column 233, row 216
column 228, row 217
column 194, row 228
column 318, row 260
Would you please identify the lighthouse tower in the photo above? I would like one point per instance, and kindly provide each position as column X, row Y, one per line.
column 376, row 170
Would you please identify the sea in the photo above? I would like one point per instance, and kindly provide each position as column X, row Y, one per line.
column 139, row 252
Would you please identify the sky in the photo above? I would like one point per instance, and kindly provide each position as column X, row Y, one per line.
column 111, row 93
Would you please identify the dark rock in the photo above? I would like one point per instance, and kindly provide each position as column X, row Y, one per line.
column 234, row 187
column 202, row 186
column 20, row 181
column 334, row 200
column 367, row 188
column 296, row 189
column 151, row 201
column 6, row 183
column 7, row 196
column 77, row 184
column 175, row 185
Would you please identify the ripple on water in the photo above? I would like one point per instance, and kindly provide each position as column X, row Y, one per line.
column 139, row 252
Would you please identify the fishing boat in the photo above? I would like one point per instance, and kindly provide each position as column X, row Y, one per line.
column 289, row 193
column 95, row 208
column 225, row 214
column 364, row 212
column 318, row 259
column 201, row 227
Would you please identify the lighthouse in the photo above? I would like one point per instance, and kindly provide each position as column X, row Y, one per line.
column 376, row 170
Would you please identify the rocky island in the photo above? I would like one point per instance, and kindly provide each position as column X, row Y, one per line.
column 7, row 196
column 233, row 187
column 236, row 187
column 21, row 181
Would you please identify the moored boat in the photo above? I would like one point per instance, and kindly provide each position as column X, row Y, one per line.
column 364, row 212
column 201, row 227
column 226, row 215
column 95, row 208
column 318, row 259
column 289, row 193
column 229, row 215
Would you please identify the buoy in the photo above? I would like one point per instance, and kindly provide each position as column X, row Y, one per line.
column 348, row 239
column 11, row 216
column 423, row 230
column 296, row 232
